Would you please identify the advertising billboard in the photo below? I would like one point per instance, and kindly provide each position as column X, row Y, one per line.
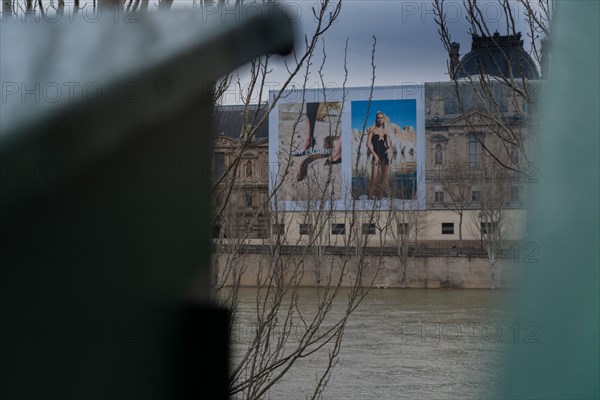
column 384, row 149
column 354, row 148
column 309, row 151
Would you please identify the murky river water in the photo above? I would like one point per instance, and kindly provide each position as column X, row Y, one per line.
column 411, row 344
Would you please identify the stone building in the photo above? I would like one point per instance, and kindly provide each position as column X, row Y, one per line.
column 461, row 138
column 245, row 214
column 464, row 119
column 493, row 95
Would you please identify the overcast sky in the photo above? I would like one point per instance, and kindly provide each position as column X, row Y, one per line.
column 408, row 49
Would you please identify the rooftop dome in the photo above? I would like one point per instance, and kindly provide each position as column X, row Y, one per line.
column 497, row 55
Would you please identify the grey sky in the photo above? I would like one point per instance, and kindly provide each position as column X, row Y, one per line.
column 408, row 47
column 408, row 50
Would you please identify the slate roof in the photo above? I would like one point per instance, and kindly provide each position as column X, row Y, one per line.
column 497, row 55
column 228, row 120
column 473, row 96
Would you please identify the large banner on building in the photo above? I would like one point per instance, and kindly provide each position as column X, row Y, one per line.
column 384, row 149
column 349, row 149
column 309, row 151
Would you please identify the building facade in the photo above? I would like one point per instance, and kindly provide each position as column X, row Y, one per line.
column 479, row 136
column 240, row 173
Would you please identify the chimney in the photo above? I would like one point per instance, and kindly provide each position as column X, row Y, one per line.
column 454, row 59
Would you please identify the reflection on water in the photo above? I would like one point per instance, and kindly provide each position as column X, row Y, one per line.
column 412, row 344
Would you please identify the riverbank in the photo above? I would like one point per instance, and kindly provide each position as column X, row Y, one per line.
column 459, row 271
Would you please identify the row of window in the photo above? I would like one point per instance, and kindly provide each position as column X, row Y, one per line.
column 366, row 229
column 371, row 229
column 485, row 228
column 475, row 141
column 515, row 195
column 339, row 229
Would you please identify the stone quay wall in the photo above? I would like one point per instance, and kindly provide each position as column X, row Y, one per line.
column 381, row 270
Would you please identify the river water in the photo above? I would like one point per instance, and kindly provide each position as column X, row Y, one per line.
column 410, row 344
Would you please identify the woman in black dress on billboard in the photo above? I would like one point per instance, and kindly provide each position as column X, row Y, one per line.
column 379, row 146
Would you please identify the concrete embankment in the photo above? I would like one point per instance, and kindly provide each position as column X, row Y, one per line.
column 466, row 271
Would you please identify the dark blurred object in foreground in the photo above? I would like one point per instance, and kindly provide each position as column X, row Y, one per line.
column 105, row 169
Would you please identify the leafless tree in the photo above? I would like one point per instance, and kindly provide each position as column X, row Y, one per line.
column 492, row 223
column 484, row 95
column 284, row 330
column 407, row 227
column 457, row 182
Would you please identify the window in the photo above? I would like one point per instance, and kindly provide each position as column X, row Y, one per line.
column 249, row 170
column 368, row 229
column 475, row 195
column 306, row 229
column 278, row 229
column 447, row 228
column 219, row 164
column 248, row 199
column 438, row 196
column 475, row 149
column 338, row 229
column 488, row 227
column 515, row 193
column 403, row 228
